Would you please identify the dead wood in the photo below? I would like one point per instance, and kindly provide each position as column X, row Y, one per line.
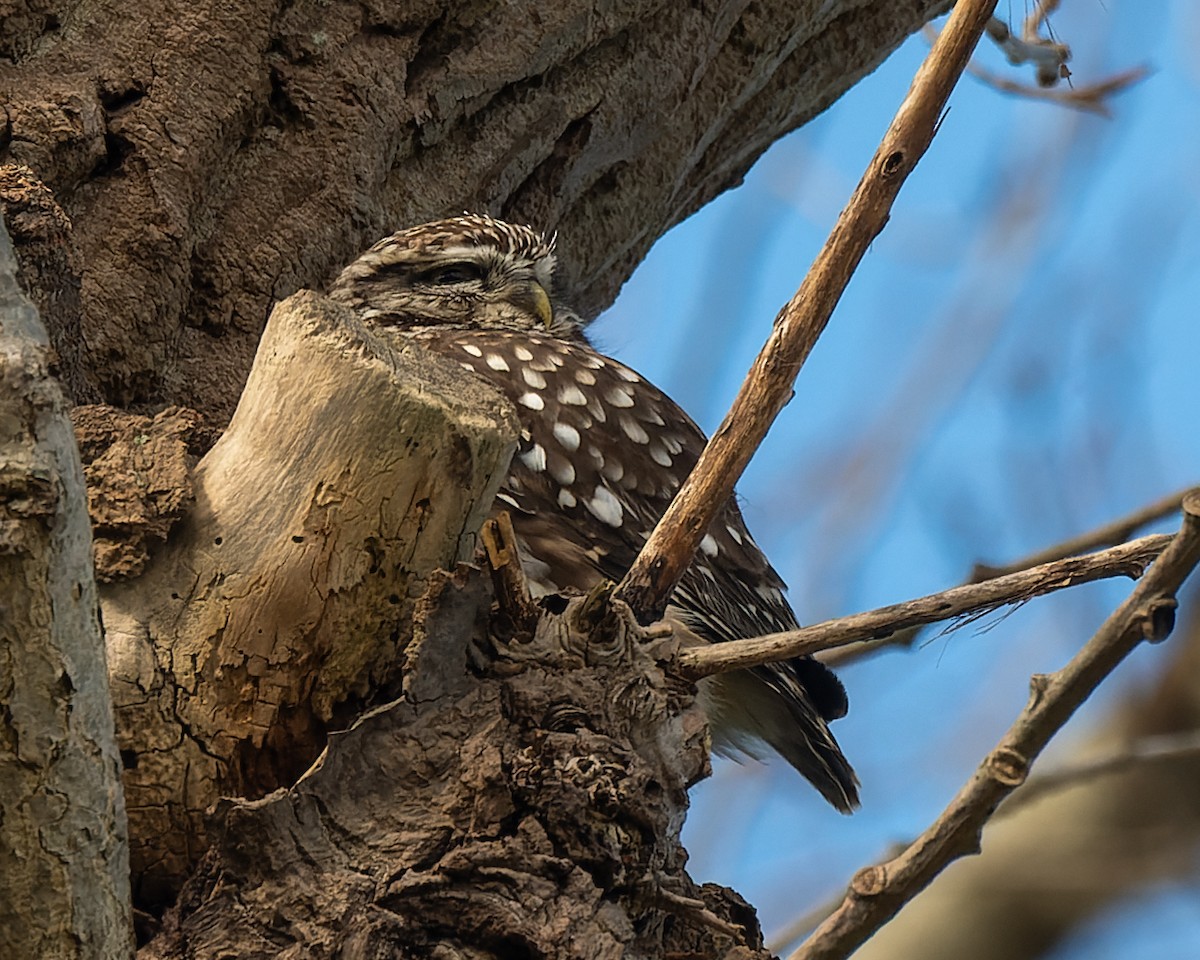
column 351, row 469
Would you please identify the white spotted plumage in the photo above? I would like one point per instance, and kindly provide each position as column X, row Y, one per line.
column 602, row 452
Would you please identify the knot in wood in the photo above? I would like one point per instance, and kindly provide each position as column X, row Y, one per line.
column 1160, row 620
column 893, row 164
column 870, row 881
column 595, row 630
column 1008, row 767
column 599, row 781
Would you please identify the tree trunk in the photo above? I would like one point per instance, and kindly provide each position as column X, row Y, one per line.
column 64, row 861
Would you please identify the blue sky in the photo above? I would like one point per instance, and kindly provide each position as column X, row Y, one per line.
column 1014, row 362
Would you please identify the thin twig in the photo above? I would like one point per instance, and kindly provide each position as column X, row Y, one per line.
column 1090, row 98
column 1110, row 534
column 1128, row 559
column 1048, row 57
column 670, row 548
column 877, row 893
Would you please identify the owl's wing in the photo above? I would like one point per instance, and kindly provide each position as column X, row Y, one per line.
column 602, row 453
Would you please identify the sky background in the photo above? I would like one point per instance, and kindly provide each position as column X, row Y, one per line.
column 1015, row 362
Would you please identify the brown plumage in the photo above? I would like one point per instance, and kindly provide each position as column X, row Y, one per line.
column 602, row 453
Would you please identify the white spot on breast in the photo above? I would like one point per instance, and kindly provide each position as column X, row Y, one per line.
column 523, row 354
column 733, row 533
column 572, row 395
column 626, row 374
column 709, row 546
column 619, row 396
column 634, row 430
column 593, row 361
column 466, row 366
column 567, row 435
column 596, row 409
column 533, row 378
column 605, row 507
column 585, row 376
column 660, row 456
column 534, row 458
column 532, row 401
column 497, row 362
column 612, row 469
column 562, row 471
column 507, row 499
column 555, row 359
column 653, row 416
column 671, row 442
column 472, row 349
column 566, row 498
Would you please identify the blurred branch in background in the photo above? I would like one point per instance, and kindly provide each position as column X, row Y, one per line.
column 879, row 892
column 1109, row 534
column 1052, row 864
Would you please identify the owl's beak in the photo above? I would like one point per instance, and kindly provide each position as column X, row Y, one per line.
column 532, row 297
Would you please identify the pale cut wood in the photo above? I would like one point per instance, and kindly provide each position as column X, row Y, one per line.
column 64, row 859
column 353, row 467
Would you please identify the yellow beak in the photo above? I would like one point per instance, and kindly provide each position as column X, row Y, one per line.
column 533, row 298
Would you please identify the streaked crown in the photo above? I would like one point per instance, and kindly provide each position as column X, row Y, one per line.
column 468, row 271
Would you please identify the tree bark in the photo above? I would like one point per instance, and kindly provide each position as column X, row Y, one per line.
column 64, row 861
column 213, row 158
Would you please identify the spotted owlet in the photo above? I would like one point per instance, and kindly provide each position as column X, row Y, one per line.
column 601, row 454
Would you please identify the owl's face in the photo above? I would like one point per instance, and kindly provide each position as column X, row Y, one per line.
column 469, row 271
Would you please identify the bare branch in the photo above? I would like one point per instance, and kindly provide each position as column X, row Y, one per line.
column 1165, row 748
column 1128, row 559
column 877, row 893
column 1110, row 534
column 673, row 543
column 1091, row 98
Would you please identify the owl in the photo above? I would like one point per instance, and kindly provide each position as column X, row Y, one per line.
column 601, row 454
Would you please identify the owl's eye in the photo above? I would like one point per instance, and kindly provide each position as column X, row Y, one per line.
column 460, row 272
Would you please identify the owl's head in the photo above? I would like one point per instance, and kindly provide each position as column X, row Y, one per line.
column 468, row 271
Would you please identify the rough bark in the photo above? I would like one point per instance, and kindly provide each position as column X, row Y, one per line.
column 215, row 157
column 64, row 862
column 351, row 469
column 528, row 808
